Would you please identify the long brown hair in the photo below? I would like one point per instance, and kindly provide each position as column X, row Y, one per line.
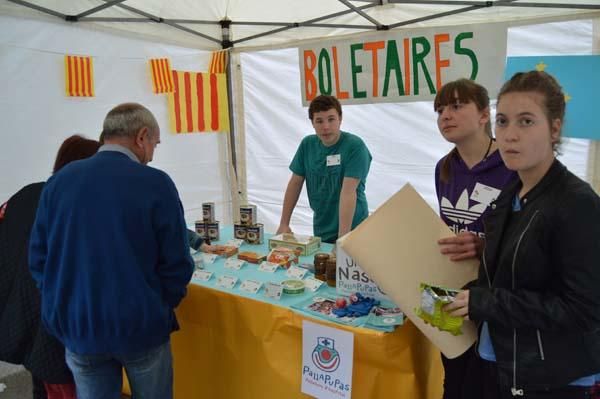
column 462, row 91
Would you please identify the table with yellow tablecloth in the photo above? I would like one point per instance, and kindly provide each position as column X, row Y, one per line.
column 233, row 345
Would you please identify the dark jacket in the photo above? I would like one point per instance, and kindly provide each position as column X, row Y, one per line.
column 23, row 340
column 543, row 266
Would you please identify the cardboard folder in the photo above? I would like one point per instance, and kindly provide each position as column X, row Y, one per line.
column 397, row 247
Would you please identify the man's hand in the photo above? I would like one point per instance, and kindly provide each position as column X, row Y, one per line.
column 283, row 228
column 460, row 306
column 211, row 249
column 464, row 246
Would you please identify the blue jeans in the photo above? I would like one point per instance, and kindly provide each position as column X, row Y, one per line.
column 150, row 374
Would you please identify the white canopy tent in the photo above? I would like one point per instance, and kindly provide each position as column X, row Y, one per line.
column 269, row 119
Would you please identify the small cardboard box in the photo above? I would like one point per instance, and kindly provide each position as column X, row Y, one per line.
column 302, row 245
column 252, row 257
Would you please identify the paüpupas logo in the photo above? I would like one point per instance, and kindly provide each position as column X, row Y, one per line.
column 324, row 356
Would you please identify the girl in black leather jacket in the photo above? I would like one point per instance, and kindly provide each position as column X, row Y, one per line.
column 537, row 297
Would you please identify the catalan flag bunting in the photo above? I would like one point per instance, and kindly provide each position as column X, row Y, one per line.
column 199, row 102
column 162, row 78
column 218, row 62
column 578, row 75
column 79, row 76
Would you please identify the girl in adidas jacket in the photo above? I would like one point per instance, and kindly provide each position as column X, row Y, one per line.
column 467, row 179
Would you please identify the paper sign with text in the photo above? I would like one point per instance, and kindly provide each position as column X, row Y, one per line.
column 403, row 65
column 351, row 278
column 327, row 360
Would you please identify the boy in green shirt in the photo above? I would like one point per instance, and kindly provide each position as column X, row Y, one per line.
column 335, row 165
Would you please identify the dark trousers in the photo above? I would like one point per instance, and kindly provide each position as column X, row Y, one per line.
column 491, row 389
column 39, row 392
column 462, row 376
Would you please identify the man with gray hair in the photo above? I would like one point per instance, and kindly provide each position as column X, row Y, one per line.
column 109, row 252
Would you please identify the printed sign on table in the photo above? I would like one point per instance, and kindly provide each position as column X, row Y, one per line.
column 327, row 360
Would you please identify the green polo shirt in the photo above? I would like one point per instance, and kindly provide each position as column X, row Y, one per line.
column 324, row 183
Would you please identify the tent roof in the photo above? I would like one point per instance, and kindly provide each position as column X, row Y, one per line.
column 277, row 23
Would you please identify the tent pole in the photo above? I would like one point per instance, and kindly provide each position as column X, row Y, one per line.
column 239, row 191
column 593, row 166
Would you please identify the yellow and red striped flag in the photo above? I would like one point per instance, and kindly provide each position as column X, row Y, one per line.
column 162, row 78
column 199, row 102
column 79, row 76
column 218, row 62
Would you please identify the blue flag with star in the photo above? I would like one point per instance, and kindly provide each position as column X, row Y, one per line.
column 579, row 76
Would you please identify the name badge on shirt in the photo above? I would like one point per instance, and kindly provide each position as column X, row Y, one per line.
column 484, row 194
column 333, row 160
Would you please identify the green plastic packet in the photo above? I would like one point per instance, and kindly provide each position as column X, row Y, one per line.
column 433, row 298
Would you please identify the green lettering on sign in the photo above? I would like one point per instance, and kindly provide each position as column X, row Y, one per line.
column 392, row 63
column 356, row 69
column 419, row 59
column 468, row 52
column 324, row 69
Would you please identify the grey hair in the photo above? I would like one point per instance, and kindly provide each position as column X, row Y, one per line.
column 125, row 120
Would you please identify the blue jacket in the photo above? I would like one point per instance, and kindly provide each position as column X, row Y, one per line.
column 109, row 252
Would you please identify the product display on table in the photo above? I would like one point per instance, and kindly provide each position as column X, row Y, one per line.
column 283, row 257
column 293, row 287
column 248, row 228
column 303, row 245
column 384, row 317
column 433, row 298
column 252, row 257
column 226, row 251
column 251, row 274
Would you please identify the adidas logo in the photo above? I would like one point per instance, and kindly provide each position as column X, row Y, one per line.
column 461, row 213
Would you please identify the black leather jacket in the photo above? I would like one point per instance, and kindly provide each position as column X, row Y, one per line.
column 539, row 283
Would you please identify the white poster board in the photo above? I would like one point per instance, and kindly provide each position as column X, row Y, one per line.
column 327, row 360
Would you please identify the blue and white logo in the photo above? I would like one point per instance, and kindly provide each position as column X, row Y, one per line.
column 324, row 356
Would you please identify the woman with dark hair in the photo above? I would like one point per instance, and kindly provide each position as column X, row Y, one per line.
column 537, row 298
column 23, row 339
column 467, row 179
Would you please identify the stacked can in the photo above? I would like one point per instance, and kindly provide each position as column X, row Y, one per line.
column 208, row 227
column 248, row 229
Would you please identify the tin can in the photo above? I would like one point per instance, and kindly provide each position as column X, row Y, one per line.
column 212, row 230
column 239, row 231
column 255, row 234
column 208, row 212
column 248, row 215
column 200, row 227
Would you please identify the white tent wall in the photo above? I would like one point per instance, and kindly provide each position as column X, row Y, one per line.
column 403, row 138
column 37, row 116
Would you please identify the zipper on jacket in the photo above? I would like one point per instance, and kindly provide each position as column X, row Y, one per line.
column 540, row 346
column 514, row 390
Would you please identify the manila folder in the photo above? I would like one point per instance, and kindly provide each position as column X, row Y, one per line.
column 397, row 247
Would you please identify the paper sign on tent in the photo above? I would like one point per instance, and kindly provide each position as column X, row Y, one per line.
column 397, row 247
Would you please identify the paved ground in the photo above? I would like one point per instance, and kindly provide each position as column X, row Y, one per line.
column 16, row 382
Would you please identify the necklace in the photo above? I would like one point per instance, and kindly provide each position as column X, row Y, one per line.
column 488, row 150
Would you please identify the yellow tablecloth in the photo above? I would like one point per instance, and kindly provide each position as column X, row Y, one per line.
column 230, row 347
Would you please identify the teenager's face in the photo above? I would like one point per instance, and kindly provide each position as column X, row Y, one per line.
column 461, row 121
column 327, row 126
column 525, row 136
